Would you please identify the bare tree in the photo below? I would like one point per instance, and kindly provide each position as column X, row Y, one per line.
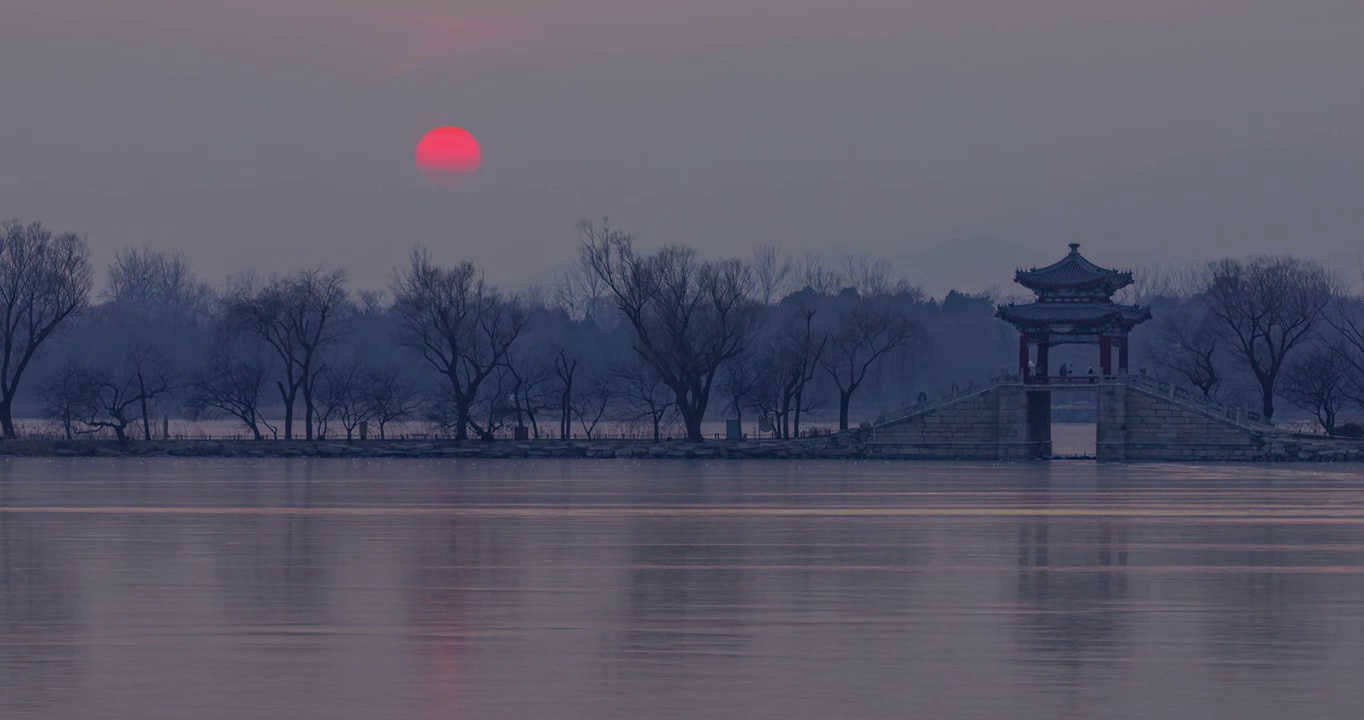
column 229, row 385
column 590, row 405
column 113, row 401
column 459, row 324
column 787, row 366
column 391, row 398
column 741, row 379
column 369, row 303
column 871, row 277
column 802, row 345
column 772, row 274
column 1267, row 306
column 566, row 370
column 1347, row 321
column 688, row 316
column 151, row 374
column 532, row 390
column 866, row 330
column 494, row 409
column 1189, row 344
column 150, row 283
column 815, row 274
column 298, row 316
column 1318, row 381
column 344, row 394
column 644, row 397
column 63, row 398
column 579, row 290
column 45, row 280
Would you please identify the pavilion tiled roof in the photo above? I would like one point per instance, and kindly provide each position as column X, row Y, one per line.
column 1072, row 272
column 1083, row 314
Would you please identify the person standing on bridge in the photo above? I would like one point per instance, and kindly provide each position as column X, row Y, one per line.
column 1091, row 373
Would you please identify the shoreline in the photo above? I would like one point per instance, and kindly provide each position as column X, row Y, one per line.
column 805, row 448
column 834, row 447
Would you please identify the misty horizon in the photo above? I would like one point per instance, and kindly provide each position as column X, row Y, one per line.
column 274, row 135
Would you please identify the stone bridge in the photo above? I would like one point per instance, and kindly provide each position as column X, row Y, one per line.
column 1139, row 418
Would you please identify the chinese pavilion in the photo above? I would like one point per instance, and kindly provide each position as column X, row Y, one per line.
column 1074, row 306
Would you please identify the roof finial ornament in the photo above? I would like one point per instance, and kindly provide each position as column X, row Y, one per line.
column 1075, row 247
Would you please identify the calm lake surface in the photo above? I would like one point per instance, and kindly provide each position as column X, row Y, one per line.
column 170, row 588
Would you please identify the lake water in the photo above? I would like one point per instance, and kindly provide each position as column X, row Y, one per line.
column 578, row 589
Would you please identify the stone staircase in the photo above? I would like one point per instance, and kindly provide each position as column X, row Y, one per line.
column 1138, row 418
column 947, row 398
column 1187, row 398
column 1244, row 418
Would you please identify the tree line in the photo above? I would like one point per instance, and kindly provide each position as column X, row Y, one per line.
column 1261, row 329
column 653, row 342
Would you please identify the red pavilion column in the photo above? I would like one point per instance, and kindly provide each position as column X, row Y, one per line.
column 1105, row 355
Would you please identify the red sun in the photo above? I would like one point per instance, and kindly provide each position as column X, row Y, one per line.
column 447, row 155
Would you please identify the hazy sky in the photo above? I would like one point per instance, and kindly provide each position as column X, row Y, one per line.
column 279, row 133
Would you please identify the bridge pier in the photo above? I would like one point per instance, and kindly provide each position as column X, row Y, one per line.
column 1039, row 422
column 1110, row 431
column 1024, row 422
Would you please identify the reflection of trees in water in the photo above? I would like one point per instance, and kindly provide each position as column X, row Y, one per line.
column 694, row 585
column 274, row 567
column 1072, row 579
column 466, row 608
column 454, row 557
column 1263, row 613
column 39, row 661
column 686, row 587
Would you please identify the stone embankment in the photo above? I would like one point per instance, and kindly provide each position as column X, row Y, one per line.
column 1298, row 448
column 1271, row 447
column 823, row 447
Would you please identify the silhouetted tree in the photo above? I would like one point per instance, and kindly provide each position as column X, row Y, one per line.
column 815, row 275
column 566, row 370
column 1267, row 306
column 298, row 316
column 344, row 395
column 740, row 380
column 229, row 385
column 772, row 274
column 155, row 285
column 644, row 397
column 391, row 398
column 866, row 330
column 63, row 398
column 45, row 280
column 787, row 366
column 460, row 325
column 1317, row 380
column 1189, row 341
column 688, row 316
column 114, row 400
column 532, row 388
column 590, row 405
column 870, row 277
column 1347, row 322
